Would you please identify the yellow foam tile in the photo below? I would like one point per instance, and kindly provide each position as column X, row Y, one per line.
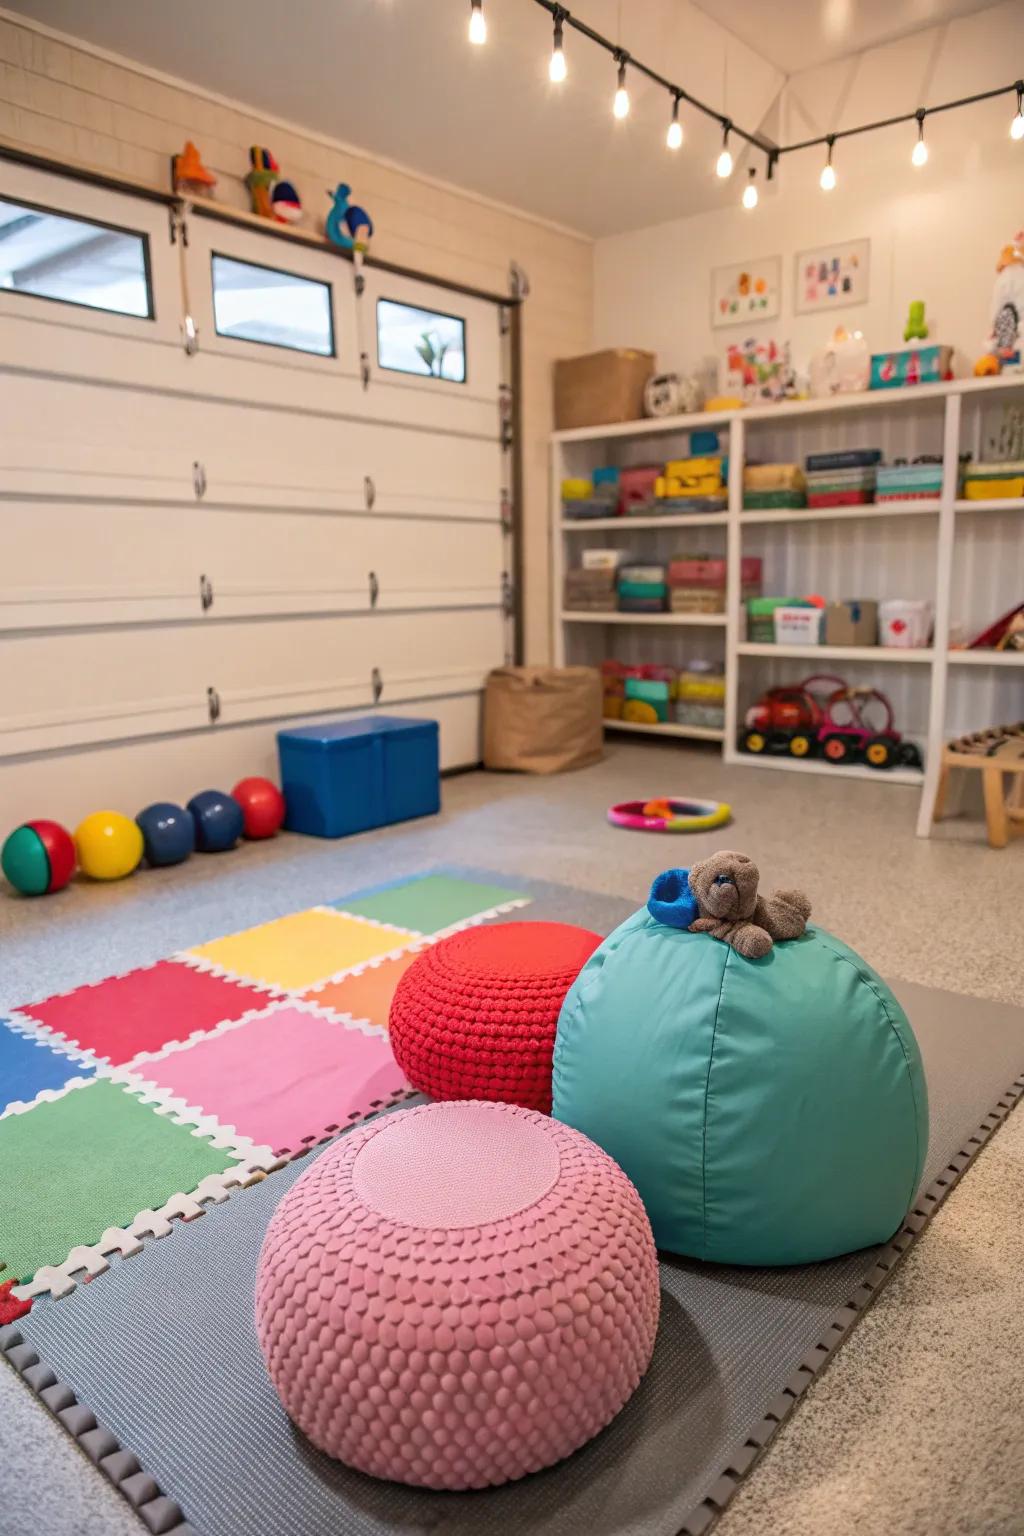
column 297, row 951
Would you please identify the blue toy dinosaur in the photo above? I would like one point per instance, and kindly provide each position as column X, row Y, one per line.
column 348, row 225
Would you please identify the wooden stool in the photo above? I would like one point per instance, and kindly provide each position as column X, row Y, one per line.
column 994, row 754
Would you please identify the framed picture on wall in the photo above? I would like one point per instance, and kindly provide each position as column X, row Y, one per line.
column 751, row 290
column 832, row 276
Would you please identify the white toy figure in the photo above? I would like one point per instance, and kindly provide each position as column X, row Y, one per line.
column 1007, row 311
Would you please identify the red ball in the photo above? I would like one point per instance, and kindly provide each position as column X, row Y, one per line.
column 474, row 1017
column 60, row 850
column 262, row 806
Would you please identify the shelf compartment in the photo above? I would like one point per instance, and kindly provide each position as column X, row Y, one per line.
column 704, row 620
column 929, row 507
column 811, row 653
column 831, row 770
column 620, row 524
column 669, row 728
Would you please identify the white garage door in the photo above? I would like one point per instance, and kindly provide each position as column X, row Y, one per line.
column 304, row 513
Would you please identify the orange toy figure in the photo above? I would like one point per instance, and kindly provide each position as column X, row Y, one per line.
column 190, row 174
column 260, row 181
column 1007, row 335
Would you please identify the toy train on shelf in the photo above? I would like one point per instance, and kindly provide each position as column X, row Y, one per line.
column 824, row 717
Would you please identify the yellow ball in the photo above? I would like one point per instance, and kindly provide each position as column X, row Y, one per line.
column 109, row 845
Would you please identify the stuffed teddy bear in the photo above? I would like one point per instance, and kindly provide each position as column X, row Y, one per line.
column 719, row 897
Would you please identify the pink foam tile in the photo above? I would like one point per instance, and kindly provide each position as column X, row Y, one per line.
column 286, row 1079
column 144, row 1010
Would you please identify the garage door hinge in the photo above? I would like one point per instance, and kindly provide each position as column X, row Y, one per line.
column 378, row 684
column 504, row 320
column 364, row 369
column 369, row 492
column 505, row 510
column 178, row 224
column 199, row 479
column 213, row 704
column 374, row 589
column 505, row 415
column 518, row 281
column 205, row 593
column 508, row 595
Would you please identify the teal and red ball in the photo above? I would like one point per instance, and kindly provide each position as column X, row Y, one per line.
column 38, row 857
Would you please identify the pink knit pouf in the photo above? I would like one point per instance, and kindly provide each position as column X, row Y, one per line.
column 474, row 1017
column 457, row 1294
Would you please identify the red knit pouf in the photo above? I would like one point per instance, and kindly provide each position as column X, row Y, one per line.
column 474, row 1017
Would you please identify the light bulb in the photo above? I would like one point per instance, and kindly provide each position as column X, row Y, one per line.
column 750, row 192
column 828, row 179
column 674, row 136
column 477, row 22
column 1017, row 127
column 723, row 165
column 556, row 68
column 919, row 154
column 621, row 104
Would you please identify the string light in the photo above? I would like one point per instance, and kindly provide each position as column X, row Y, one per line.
column 919, row 155
column 556, row 68
column 621, row 104
column 674, row 136
column 1017, row 126
column 750, row 198
column 723, row 165
column 827, row 179
column 477, row 22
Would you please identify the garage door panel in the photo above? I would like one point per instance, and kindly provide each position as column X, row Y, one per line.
column 98, row 688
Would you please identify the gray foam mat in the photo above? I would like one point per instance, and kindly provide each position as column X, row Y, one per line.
column 163, row 1349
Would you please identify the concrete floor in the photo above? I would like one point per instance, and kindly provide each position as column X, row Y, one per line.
column 916, row 1428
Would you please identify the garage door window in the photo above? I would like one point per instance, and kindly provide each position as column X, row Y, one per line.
column 421, row 341
column 51, row 255
column 278, row 309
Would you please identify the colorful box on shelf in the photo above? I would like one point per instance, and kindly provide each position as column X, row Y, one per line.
column 761, row 618
column 905, row 622
column 700, row 695
column 636, row 489
column 590, row 591
column 908, row 482
column 911, row 365
column 769, row 501
column 994, row 482
column 602, row 559
column 697, row 585
column 690, row 477
column 797, row 624
column 647, row 700
column 854, row 621
column 773, row 477
column 843, row 458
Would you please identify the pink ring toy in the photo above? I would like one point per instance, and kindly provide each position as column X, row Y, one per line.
column 457, row 1294
column 682, row 816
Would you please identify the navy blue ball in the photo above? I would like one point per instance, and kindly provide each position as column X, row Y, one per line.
column 218, row 820
column 168, row 833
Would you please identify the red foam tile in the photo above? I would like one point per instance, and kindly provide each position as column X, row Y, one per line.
column 144, row 1010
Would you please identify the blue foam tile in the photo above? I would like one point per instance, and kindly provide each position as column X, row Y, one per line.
column 27, row 1066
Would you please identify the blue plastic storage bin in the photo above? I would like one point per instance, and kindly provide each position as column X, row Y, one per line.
column 352, row 775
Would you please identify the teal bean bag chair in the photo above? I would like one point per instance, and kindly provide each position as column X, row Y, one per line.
column 769, row 1111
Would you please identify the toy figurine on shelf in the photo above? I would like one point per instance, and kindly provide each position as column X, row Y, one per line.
column 916, row 328
column 190, row 176
column 1007, row 311
column 348, row 225
column 264, row 171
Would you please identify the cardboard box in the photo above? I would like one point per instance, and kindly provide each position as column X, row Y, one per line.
column 601, row 388
column 852, row 622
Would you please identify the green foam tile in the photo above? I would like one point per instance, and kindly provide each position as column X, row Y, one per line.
column 73, row 1166
column 431, row 903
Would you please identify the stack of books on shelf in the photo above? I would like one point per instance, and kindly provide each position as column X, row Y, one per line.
column 920, row 481
column 768, row 486
column 642, row 589
column 846, row 478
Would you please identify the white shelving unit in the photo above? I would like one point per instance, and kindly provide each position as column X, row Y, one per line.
column 970, row 567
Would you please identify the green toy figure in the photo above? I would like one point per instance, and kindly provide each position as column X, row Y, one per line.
column 916, row 328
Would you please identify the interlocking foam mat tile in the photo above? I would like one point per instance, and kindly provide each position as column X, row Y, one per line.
column 144, row 1010
column 431, row 903
column 30, row 1067
column 285, row 1079
column 736, row 1348
column 89, row 1160
column 205, row 1069
column 295, row 952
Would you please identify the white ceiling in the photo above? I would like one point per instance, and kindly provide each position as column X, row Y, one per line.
column 399, row 79
column 804, row 33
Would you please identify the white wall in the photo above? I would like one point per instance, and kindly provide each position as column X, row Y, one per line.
column 935, row 232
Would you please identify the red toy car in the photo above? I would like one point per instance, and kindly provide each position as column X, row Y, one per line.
column 844, row 724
